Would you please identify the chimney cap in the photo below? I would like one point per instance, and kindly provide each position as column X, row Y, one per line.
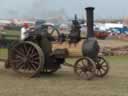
column 89, row 8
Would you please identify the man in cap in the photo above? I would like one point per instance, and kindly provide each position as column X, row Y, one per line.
column 24, row 30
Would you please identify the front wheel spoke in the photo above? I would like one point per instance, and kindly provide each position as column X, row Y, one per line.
column 84, row 65
column 87, row 74
column 78, row 71
column 83, row 62
column 79, row 65
column 105, row 65
column 104, row 69
column 102, row 62
column 96, row 71
column 99, row 72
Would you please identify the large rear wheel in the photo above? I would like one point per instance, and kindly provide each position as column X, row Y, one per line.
column 27, row 58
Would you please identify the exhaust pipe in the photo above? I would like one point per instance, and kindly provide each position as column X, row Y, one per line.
column 90, row 21
column 90, row 46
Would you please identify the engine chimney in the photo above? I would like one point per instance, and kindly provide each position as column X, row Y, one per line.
column 90, row 46
column 90, row 21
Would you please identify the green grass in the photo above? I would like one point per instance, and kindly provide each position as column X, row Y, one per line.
column 3, row 53
column 118, row 59
column 66, row 83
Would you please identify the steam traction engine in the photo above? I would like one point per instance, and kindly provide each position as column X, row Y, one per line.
column 35, row 55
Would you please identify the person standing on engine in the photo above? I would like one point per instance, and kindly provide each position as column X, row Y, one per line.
column 24, row 30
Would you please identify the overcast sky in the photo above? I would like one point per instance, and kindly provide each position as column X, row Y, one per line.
column 44, row 8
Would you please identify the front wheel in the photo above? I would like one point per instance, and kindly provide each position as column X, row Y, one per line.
column 85, row 68
column 102, row 67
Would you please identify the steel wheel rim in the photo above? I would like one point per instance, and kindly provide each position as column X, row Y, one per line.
column 27, row 58
column 85, row 68
column 102, row 67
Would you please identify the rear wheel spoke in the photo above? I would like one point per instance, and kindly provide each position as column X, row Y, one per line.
column 25, row 49
column 29, row 50
column 18, row 52
column 33, row 66
column 20, row 66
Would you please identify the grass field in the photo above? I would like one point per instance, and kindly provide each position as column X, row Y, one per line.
column 66, row 83
column 3, row 53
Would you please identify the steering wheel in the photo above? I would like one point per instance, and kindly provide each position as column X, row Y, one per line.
column 53, row 32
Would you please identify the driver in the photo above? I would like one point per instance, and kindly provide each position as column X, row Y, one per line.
column 24, row 30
